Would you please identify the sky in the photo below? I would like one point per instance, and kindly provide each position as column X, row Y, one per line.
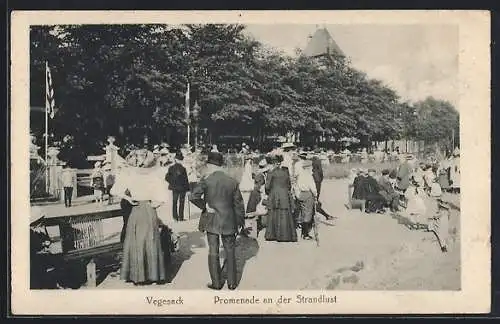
column 415, row 60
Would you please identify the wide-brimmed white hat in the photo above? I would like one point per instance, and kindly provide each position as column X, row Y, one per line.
column 287, row 145
column 164, row 151
column 148, row 162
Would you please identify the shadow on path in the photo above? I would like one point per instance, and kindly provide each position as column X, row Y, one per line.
column 246, row 248
column 187, row 241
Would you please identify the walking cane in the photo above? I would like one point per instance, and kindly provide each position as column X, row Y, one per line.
column 315, row 226
column 189, row 205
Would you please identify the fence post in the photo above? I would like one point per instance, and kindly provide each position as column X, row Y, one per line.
column 55, row 167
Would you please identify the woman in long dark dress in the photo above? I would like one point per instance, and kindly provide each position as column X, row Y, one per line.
column 281, row 226
column 143, row 256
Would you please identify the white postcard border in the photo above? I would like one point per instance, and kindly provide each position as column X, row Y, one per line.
column 474, row 76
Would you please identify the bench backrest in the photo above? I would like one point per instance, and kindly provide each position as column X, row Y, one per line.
column 89, row 234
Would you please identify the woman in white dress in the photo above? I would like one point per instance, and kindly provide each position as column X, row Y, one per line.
column 429, row 178
column 416, row 209
column 247, row 183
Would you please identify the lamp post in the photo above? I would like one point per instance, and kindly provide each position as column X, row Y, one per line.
column 416, row 121
column 453, row 138
column 196, row 117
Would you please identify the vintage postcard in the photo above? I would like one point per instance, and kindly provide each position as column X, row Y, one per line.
column 250, row 162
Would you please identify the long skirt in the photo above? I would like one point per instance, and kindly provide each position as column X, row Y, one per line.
column 280, row 226
column 305, row 207
column 143, row 258
column 253, row 201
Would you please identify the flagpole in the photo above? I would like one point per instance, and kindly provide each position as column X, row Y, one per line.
column 46, row 131
column 187, row 115
column 452, row 139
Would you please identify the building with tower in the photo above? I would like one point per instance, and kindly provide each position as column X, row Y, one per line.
column 321, row 44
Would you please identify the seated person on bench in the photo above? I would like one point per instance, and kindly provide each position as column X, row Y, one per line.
column 358, row 196
column 374, row 200
column 391, row 197
column 43, row 264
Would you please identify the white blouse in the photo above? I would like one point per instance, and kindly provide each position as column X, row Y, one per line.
column 143, row 184
column 305, row 182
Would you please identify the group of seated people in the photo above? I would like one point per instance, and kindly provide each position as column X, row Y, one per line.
column 377, row 194
column 374, row 195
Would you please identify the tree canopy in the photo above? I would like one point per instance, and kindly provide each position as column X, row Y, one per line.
column 130, row 81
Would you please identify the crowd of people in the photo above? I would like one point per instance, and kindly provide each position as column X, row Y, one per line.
column 280, row 195
column 405, row 189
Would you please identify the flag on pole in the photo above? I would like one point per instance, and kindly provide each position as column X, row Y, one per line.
column 187, row 103
column 49, row 92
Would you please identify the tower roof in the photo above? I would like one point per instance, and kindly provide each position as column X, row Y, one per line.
column 322, row 43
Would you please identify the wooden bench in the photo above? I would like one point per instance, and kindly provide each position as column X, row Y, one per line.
column 85, row 234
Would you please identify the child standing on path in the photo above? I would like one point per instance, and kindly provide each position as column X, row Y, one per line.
column 67, row 182
column 109, row 182
column 98, row 183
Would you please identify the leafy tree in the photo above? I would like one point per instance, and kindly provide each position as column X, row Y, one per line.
column 436, row 120
column 130, row 81
column 221, row 70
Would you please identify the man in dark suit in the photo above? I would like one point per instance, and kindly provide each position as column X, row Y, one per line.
column 178, row 182
column 387, row 191
column 374, row 199
column 223, row 215
column 317, row 171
